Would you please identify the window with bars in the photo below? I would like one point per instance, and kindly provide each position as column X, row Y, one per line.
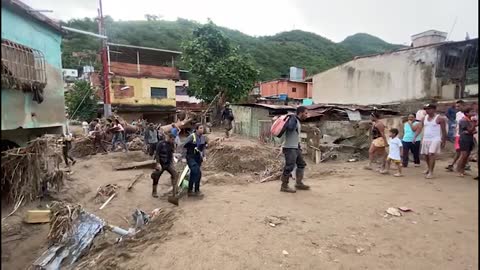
column 23, row 68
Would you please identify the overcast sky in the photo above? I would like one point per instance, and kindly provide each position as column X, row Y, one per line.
column 393, row 21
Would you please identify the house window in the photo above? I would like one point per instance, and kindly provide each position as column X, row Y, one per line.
column 294, row 90
column 23, row 68
column 158, row 92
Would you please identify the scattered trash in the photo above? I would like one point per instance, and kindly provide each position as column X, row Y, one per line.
column 353, row 160
column 140, row 218
column 106, row 191
column 360, row 250
column 405, row 209
column 285, row 252
column 394, row 212
column 275, row 220
column 414, row 222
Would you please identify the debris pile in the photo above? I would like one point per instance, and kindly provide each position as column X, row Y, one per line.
column 136, row 143
column 62, row 218
column 28, row 171
column 261, row 160
column 83, row 147
column 107, row 256
column 104, row 192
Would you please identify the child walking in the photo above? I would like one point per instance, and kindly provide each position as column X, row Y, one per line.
column 394, row 153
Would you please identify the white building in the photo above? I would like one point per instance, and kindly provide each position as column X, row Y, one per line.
column 431, row 71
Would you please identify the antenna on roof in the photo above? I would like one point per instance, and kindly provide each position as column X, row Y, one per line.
column 454, row 23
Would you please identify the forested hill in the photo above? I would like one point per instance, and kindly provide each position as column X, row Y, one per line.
column 273, row 55
column 365, row 44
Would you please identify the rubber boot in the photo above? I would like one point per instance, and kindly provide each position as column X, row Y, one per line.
column 285, row 187
column 299, row 178
column 154, row 191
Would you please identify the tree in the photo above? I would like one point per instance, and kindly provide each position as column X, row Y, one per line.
column 81, row 101
column 216, row 66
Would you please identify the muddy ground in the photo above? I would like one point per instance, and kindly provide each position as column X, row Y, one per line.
column 339, row 224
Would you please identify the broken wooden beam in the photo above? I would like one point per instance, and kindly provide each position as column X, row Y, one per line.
column 109, row 199
column 130, row 186
column 135, row 165
column 37, row 216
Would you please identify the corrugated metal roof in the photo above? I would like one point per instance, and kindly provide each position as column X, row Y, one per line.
column 268, row 106
column 19, row 6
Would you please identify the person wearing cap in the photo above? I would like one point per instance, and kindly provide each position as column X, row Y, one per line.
column 434, row 137
column 227, row 118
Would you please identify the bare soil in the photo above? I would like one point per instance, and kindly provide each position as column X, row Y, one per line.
column 340, row 224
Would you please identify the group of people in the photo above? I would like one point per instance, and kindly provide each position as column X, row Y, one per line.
column 425, row 133
column 195, row 146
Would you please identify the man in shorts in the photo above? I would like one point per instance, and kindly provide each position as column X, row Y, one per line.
column 379, row 142
column 434, row 137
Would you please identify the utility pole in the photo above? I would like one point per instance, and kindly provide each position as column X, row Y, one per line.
column 107, row 106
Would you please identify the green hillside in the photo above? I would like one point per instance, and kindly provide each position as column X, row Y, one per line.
column 273, row 55
column 365, row 44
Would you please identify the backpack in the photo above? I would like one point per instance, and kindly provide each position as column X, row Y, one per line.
column 280, row 125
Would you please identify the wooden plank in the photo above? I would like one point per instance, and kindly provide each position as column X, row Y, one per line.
column 135, row 165
column 134, row 181
column 109, row 199
column 37, row 216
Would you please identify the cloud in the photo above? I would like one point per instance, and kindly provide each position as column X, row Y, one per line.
column 393, row 21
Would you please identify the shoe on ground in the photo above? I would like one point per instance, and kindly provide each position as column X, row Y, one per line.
column 302, row 186
column 287, row 189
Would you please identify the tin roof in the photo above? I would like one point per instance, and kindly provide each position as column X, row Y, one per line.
column 23, row 8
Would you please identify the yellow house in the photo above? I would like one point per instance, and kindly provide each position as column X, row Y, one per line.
column 142, row 83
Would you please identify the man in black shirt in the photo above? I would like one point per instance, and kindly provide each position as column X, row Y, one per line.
column 164, row 158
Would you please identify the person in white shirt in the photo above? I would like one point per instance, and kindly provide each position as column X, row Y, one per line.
column 434, row 137
column 394, row 153
column 118, row 132
column 460, row 106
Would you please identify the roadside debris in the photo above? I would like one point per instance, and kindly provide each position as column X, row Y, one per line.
column 284, row 252
column 63, row 216
column 135, row 165
column 106, row 193
column 130, row 186
column 28, row 172
column 71, row 241
column 404, row 209
column 275, row 220
column 393, row 212
column 109, row 199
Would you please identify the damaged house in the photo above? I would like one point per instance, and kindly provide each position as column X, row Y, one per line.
column 143, row 82
column 343, row 130
column 430, row 69
column 32, row 85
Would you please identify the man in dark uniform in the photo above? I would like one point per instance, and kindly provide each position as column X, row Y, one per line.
column 164, row 158
column 195, row 145
column 227, row 118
